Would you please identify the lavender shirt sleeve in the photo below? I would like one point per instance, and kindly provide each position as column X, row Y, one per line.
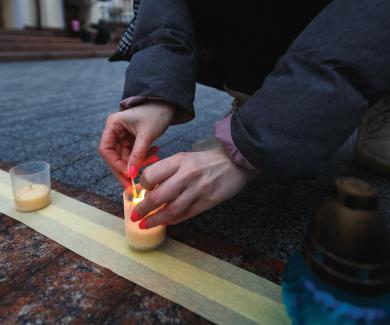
column 222, row 131
column 132, row 101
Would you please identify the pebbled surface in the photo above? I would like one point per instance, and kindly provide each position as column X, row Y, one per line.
column 42, row 282
column 55, row 111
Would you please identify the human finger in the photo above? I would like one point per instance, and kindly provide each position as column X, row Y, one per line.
column 170, row 212
column 153, row 151
column 138, row 154
column 123, row 180
column 196, row 207
column 159, row 172
column 108, row 150
column 150, row 160
column 164, row 193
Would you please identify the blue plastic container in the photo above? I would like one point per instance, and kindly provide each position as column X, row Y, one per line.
column 342, row 275
column 310, row 300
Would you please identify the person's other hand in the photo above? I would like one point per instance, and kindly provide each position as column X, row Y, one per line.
column 188, row 184
column 128, row 135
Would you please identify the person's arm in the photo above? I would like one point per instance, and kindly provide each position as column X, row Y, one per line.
column 304, row 111
column 159, row 86
column 163, row 63
column 314, row 99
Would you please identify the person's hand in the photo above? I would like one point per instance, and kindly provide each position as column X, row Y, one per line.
column 128, row 135
column 188, row 184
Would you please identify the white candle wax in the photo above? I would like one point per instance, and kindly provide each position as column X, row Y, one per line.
column 32, row 197
column 141, row 239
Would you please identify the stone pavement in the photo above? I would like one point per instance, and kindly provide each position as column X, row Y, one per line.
column 43, row 282
column 55, row 111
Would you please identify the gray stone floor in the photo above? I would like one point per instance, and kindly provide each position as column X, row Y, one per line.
column 55, row 111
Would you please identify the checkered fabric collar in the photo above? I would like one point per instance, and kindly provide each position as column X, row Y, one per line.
column 123, row 51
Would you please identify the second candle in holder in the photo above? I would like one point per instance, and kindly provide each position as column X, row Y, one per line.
column 31, row 185
column 141, row 239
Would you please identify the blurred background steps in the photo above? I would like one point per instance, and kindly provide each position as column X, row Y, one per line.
column 53, row 55
column 21, row 45
column 28, row 31
column 20, row 36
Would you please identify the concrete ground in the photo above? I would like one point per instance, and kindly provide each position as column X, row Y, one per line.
column 55, row 111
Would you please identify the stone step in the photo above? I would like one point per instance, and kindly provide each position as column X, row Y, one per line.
column 53, row 55
column 41, row 46
column 37, row 38
column 40, row 32
column 22, row 45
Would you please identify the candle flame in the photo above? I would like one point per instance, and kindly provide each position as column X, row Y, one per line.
column 140, row 197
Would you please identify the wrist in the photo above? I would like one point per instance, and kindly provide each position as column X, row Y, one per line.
column 249, row 174
column 141, row 101
column 165, row 109
column 222, row 131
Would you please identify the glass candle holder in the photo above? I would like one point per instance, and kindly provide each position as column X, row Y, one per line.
column 31, row 185
column 140, row 239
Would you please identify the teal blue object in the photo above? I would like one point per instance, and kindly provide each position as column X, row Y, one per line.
column 310, row 300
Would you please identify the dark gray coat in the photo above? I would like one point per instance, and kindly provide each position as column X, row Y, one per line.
column 308, row 96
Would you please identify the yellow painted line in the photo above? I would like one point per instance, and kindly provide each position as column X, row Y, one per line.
column 252, row 306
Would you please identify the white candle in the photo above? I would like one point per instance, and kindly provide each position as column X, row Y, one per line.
column 141, row 239
column 32, row 197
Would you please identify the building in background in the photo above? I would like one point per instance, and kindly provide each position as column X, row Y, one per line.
column 58, row 14
column 61, row 29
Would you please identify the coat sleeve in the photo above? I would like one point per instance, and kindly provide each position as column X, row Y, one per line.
column 163, row 63
column 316, row 95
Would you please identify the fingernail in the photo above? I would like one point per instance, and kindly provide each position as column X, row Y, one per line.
column 142, row 224
column 133, row 172
column 135, row 216
column 154, row 159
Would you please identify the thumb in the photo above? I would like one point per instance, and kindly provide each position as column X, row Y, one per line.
column 138, row 155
